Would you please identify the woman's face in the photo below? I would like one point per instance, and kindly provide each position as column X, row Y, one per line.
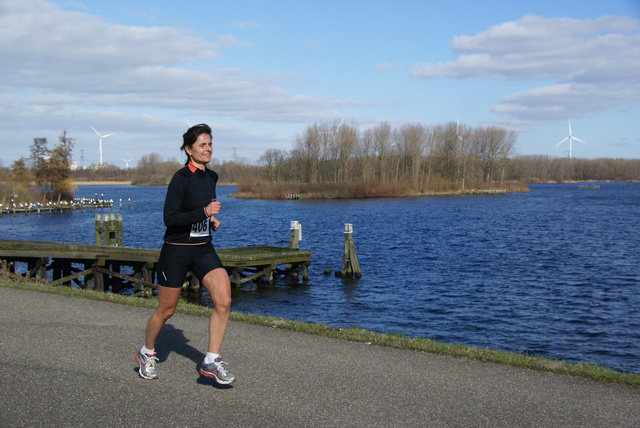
column 201, row 151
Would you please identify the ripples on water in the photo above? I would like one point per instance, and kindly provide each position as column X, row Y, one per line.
column 553, row 272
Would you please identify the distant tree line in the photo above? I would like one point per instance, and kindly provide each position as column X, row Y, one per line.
column 548, row 169
column 383, row 160
column 152, row 170
column 106, row 172
column 434, row 158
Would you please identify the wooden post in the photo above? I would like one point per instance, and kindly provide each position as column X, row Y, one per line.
column 148, row 271
column 98, row 225
column 37, row 268
column 350, row 265
column 113, row 229
column 294, row 244
column 98, row 276
column 268, row 274
column 88, row 278
column 108, row 229
column 296, row 235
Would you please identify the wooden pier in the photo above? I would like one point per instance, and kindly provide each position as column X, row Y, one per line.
column 60, row 206
column 104, row 268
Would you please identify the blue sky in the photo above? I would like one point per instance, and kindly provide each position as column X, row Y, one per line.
column 260, row 72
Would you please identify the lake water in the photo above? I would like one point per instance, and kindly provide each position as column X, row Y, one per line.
column 553, row 272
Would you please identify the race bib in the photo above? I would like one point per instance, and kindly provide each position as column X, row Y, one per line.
column 200, row 229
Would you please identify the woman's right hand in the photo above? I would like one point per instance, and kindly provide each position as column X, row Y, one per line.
column 212, row 209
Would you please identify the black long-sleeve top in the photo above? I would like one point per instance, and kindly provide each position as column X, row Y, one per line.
column 189, row 191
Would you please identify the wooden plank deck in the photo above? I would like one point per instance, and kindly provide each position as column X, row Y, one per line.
column 54, row 262
column 77, row 204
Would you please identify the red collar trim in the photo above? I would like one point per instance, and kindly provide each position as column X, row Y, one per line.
column 192, row 167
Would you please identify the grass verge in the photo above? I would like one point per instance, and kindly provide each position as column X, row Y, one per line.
column 584, row 371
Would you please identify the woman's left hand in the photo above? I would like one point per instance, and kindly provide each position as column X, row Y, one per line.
column 215, row 223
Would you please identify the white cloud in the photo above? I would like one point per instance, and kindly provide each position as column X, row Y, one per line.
column 537, row 48
column 388, row 67
column 87, row 61
column 565, row 100
column 595, row 63
column 64, row 69
column 246, row 25
column 229, row 40
column 36, row 36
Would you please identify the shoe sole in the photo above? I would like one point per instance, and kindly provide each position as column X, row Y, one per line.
column 140, row 370
column 213, row 376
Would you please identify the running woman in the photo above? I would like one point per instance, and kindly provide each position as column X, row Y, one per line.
column 190, row 207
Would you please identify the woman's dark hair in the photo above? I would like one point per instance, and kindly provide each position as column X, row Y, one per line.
column 190, row 137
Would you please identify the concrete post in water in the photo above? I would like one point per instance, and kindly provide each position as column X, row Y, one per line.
column 108, row 229
column 350, row 264
column 296, row 235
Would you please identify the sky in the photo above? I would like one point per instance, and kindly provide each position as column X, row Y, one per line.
column 260, row 72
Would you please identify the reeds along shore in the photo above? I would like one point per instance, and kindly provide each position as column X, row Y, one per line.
column 249, row 190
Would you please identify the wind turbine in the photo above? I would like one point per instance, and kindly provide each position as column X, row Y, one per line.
column 126, row 161
column 333, row 133
column 457, row 130
column 570, row 138
column 101, row 137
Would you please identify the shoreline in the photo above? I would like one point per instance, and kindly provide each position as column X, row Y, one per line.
column 102, row 183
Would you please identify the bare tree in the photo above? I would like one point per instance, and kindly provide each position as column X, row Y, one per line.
column 365, row 152
column 446, row 150
column 346, row 137
column 495, row 146
column 382, row 143
column 466, row 150
column 307, row 148
column 273, row 162
column 412, row 141
column 329, row 151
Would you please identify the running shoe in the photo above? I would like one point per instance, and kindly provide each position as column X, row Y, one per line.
column 147, row 363
column 218, row 371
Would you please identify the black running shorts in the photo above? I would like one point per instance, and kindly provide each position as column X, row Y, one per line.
column 176, row 260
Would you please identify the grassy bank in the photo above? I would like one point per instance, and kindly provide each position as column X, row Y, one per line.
column 584, row 371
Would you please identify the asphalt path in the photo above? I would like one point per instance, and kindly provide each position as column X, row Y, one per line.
column 68, row 362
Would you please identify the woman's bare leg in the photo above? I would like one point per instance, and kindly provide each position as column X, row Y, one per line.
column 219, row 288
column 167, row 302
